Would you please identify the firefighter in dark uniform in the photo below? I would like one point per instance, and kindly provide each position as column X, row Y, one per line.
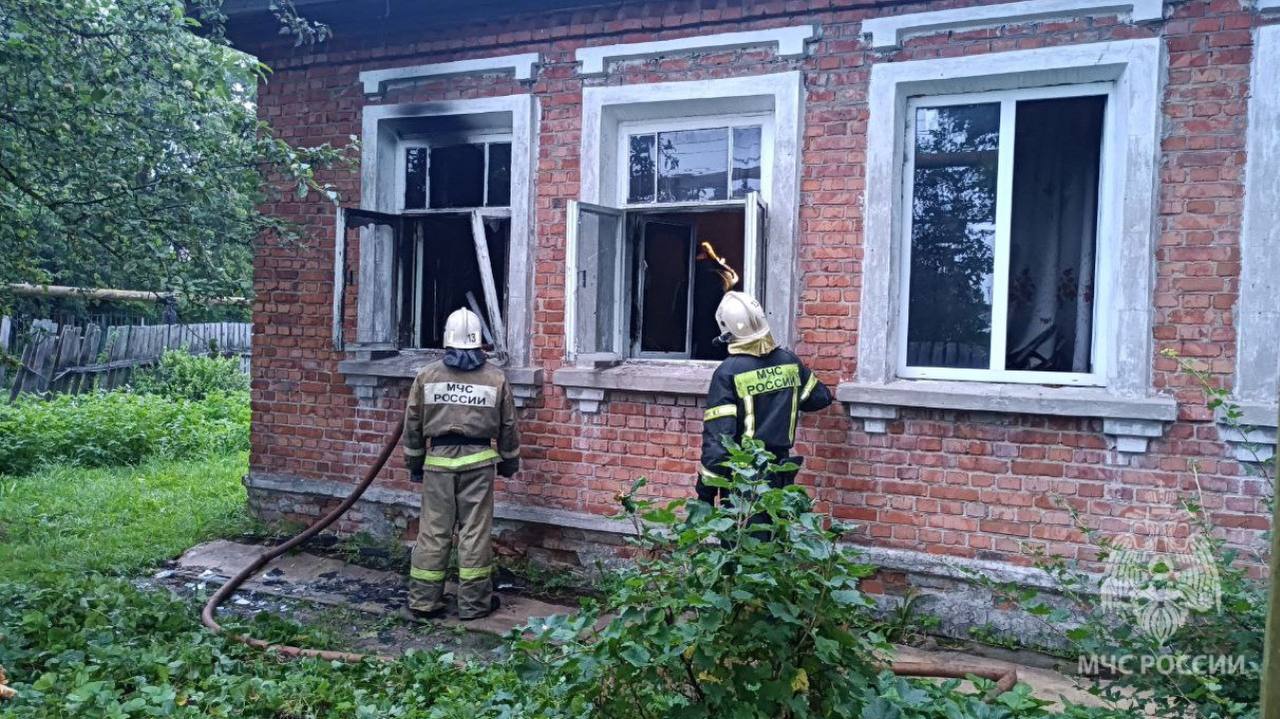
column 758, row 391
column 460, row 407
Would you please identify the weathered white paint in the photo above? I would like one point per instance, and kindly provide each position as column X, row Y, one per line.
column 375, row 81
column 791, row 42
column 1258, row 354
column 1267, row 5
column 1011, row 398
column 1258, row 313
column 339, row 275
column 780, row 94
column 376, row 306
column 889, row 31
column 1128, row 198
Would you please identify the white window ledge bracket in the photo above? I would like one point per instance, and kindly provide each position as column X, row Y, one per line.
column 375, row 81
column 791, row 41
column 1252, row 433
column 888, row 32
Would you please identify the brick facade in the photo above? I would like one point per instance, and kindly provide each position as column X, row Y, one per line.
column 966, row 484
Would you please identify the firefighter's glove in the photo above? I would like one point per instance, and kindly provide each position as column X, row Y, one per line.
column 415, row 476
column 509, row 467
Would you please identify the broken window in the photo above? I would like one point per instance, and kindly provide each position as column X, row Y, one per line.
column 1002, row 235
column 456, row 175
column 455, row 218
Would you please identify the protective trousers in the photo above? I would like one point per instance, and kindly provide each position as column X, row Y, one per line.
column 464, row 499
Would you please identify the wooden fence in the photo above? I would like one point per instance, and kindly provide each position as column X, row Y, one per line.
column 75, row 359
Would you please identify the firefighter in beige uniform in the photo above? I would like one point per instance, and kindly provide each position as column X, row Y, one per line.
column 458, row 407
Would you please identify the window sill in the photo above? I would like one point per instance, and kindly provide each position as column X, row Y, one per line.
column 366, row 375
column 1130, row 422
column 588, row 387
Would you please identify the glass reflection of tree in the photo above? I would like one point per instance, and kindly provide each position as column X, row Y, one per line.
column 953, row 227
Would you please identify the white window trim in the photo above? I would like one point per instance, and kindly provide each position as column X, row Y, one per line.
column 999, row 307
column 522, row 65
column 1128, row 229
column 604, row 109
column 791, row 42
column 889, row 31
column 381, row 164
column 1258, row 312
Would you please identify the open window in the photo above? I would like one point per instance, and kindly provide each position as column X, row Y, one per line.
column 448, row 242
column 647, row 280
column 683, row 172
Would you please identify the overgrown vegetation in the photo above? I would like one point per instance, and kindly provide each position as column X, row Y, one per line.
column 179, row 375
column 131, row 154
column 113, row 429
column 768, row 629
column 68, row 521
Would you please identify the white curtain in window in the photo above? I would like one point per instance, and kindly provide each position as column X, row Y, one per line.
column 1053, row 235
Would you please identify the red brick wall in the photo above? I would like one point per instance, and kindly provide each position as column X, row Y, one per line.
column 956, row 483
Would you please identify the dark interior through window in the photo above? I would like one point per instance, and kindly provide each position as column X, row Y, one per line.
column 442, row 244
column 677, row 284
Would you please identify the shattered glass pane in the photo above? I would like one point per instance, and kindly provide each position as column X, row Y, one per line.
column 499, row 175
column 457, row 176
column 415, row 178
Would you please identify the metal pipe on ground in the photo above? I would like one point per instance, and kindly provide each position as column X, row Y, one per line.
column 1004, row 678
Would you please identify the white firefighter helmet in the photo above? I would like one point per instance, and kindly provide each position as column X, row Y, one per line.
column 741, row 316
column 462, row 330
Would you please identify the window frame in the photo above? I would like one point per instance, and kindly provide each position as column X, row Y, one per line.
column 1007, row 100
column 604, row 108
column 754, row 240
column 729, row 121
column 381, row 190
column 444, row 139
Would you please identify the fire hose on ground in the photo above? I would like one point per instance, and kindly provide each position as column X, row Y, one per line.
column 1004, row 678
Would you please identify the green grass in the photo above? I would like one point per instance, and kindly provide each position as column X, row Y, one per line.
column 66, row 520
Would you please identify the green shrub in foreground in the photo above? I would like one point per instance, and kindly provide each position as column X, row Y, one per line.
column 183, row 376
column 723, row 618
column 119, row 428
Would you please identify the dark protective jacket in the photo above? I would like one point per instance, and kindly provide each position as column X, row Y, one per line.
column 470, row 408
column 759, row 397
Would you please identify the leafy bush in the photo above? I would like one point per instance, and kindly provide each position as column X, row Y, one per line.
column 725, row 617
column 119, row 428
column 184, row 376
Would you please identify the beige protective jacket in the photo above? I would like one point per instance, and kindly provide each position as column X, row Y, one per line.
column 448, row 401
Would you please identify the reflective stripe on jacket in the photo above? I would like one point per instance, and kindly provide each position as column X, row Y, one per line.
column 759, row 397
column 448, row 401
